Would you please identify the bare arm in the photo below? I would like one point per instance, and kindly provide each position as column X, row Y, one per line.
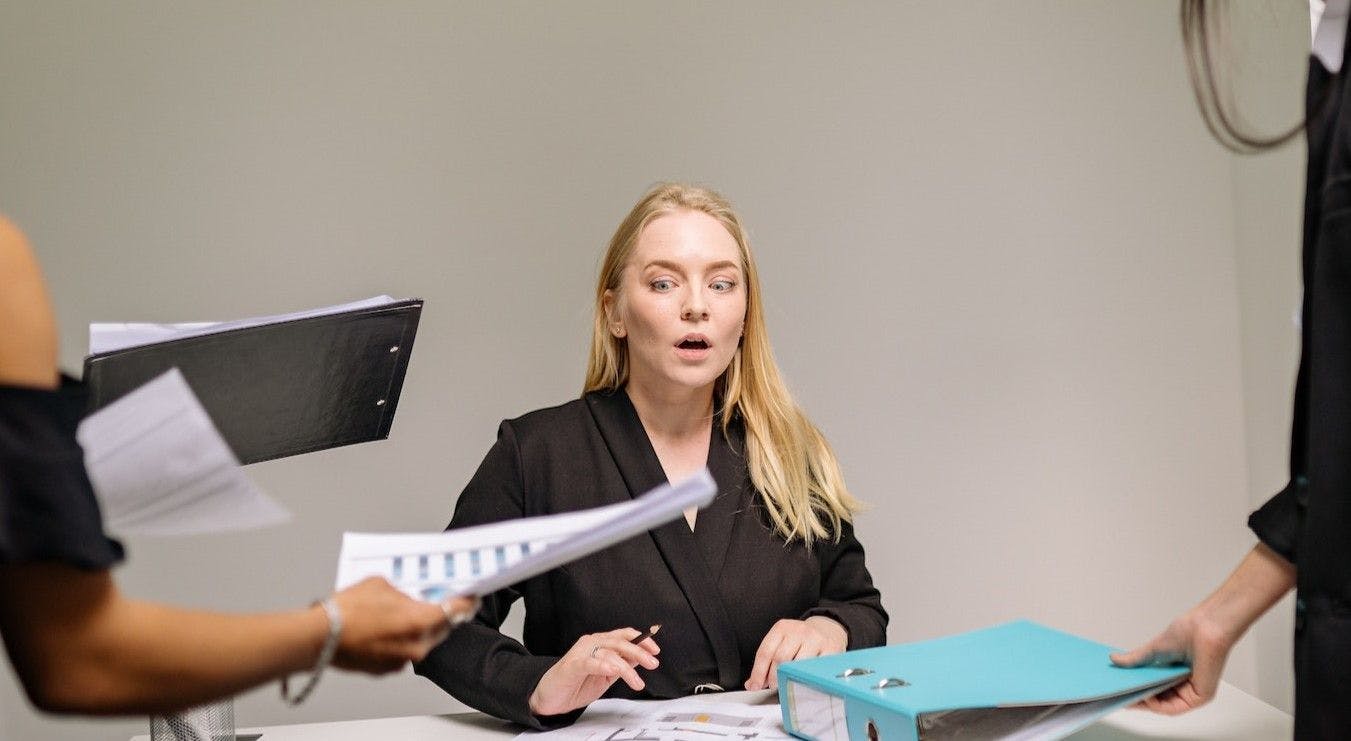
column 1204, row 635
column 27, row 330
column 78, row 645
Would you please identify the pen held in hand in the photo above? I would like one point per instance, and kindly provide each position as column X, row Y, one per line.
column 646, row 634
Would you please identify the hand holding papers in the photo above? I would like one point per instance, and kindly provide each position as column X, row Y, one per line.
column 160, row 468
column 483, row 559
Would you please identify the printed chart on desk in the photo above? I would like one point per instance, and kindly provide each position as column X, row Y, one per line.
column 685, row 719
column 431, row 566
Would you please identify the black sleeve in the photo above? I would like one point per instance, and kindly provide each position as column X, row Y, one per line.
column 476, row 664
column 47, row 506
column 847, row 593
column 1276, row 523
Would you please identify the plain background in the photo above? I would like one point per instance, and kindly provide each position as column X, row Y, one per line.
column 1045, row 321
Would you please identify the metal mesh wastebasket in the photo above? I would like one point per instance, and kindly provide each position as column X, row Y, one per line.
column 211, row 722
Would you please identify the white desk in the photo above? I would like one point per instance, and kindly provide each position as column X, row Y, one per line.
column 1232, row 716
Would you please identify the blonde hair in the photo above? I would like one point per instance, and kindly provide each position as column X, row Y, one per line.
column 790, row 462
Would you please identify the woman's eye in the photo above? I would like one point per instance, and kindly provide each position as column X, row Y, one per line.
column 662, row 284
column 722, row 286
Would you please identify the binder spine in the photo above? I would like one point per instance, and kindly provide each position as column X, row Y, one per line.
column 402, row 352
column 832, row 713
column 873, row 720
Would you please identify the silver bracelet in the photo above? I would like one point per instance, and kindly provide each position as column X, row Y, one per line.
column 325, row 655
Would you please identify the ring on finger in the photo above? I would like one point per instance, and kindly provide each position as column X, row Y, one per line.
column 594, row 649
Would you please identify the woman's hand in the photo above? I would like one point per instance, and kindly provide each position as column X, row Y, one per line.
column 1203, row 636
column 794, row 639
column 593, row 663
column 1190, row 639
column 383, row 629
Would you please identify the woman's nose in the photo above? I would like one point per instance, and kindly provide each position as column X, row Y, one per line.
column 695, row 308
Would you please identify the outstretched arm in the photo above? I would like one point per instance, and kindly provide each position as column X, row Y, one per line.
column 1204, row 635
column 78, row 645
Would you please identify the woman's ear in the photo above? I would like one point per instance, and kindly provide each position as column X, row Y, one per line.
column 608, row 304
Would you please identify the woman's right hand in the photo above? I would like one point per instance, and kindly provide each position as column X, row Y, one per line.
column 383, row 629
column 1192, row 640
column 594, row 662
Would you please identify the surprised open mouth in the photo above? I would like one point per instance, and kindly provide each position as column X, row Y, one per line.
column 693, row 347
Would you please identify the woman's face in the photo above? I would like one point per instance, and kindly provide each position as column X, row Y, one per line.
column 681, row 303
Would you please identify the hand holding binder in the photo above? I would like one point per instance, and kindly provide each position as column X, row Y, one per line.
column 1018, row 681
column 1182, row 642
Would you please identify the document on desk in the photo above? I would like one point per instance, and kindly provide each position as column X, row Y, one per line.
column 670, row 720
column 159, row 467
column 486, row 558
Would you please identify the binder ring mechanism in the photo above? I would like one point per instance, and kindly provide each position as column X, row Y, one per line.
column 881, row 683
column 392, row 349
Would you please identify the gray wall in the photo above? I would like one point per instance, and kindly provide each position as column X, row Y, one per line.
column 1005, row 268
column 1268, row 210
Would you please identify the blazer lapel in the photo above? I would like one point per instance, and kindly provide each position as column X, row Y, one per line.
column 641, row 470
column 713, row 529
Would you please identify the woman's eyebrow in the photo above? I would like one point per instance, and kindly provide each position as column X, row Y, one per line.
column 665, row 265
column 721, row 264
column 668, row 265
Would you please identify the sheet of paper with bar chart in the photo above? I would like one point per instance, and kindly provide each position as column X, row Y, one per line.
column 483, row 559
column 753, row 716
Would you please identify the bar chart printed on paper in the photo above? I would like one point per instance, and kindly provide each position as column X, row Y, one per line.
column 432, row 566
column 485, row 558
column 440, row 574
column 683, row 719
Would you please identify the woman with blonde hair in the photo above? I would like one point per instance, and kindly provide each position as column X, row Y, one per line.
column 681, row 377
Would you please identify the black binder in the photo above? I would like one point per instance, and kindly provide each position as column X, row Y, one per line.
column 283, row 388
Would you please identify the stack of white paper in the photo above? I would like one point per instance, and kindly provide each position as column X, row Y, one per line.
column 109, row 336
column 159, row 467
column 483, row 559
column 684, row 719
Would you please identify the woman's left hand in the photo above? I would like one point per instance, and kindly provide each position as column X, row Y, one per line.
column 794, row 639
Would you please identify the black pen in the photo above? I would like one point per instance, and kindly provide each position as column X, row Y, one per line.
column 647, row 634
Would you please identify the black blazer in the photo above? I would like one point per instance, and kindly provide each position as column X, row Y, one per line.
column 1309, row 520
column 716, row 591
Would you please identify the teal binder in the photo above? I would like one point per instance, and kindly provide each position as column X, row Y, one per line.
column 1014, row 681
